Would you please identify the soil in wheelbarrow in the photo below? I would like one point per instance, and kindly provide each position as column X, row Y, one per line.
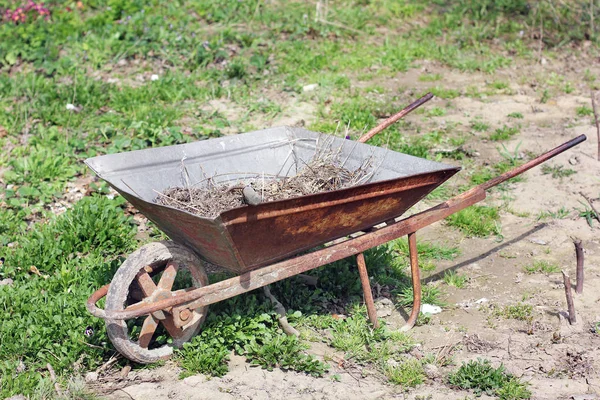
column 324, row 173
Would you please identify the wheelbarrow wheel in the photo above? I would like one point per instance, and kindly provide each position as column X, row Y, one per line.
column 153, row 272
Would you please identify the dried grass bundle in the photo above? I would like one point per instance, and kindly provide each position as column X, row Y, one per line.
column 324, row 173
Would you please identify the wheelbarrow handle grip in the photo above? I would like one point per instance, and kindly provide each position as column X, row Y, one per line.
column 536, row 161
column 396, row 117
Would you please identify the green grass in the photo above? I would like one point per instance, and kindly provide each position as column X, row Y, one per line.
column 588, row 213
column 485, row 174
column 479, row 126
column 541, row 266
column 584, row 111
column 451, row 278
column 557, row 171
column 426, row 250
column 223, row 68
column 408, row 373
column 44, row 319
column 481, row 377
column 430, row 77
column 476, row 221
column 436, row 112
column 429, row 295
column 558, row 214
column 515, row 115
column 519, row 311
column 251, row 330
column 499, row 85
column 504, row 133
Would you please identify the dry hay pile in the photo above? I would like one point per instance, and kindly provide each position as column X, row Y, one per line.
column 323, row 173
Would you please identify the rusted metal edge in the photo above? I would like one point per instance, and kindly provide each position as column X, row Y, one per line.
column 414, row 181
column 264, row 276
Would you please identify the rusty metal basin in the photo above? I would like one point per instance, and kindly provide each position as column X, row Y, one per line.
column 249, row 237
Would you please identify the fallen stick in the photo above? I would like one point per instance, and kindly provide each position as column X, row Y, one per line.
column 596, row 213
column 569, row 295
column 112, row 360
column 596, row 121
column 280, row 310
column 579, row 254
column 125, row 371
column 53, row 378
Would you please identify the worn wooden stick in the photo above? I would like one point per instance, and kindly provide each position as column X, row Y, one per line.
column 596, row 120
column 579, row 254
column 569, row 295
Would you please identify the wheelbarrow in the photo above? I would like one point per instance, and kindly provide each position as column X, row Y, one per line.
column 164, row 286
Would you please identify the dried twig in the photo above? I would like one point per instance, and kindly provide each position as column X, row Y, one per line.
column 579, row 254
column 280, row 310
column 596, row 213
column 111, row 361
column 569, row 295
column 323, row 173
column 596, row 121
column 53, row 379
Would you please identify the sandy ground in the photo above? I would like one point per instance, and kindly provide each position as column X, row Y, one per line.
column 558, row 360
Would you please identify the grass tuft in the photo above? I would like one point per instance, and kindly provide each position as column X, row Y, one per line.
column 408, row 373
column 476, row 221
column 541, row 266
column 481, row 377
column 557, row 171
column 451, row 278
column 504, row 133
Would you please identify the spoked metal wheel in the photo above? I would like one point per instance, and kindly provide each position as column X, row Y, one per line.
column 153, row 273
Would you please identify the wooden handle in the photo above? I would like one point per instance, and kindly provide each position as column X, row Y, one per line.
column 536, row 161
column 396, row 117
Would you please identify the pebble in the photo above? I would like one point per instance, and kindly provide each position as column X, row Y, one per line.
column 310, row 88
column 431, row 371
column 91, row 377
column 430, row 309
column 6, row 282
column 538, row 241
column 384, row 307
column 194, row 380
column 392, row 363
column 573, row 161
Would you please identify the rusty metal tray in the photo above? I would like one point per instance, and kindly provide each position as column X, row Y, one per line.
column 249, row 237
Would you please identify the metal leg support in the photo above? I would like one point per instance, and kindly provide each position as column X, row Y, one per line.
column 416, row 282
column 366, row 285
